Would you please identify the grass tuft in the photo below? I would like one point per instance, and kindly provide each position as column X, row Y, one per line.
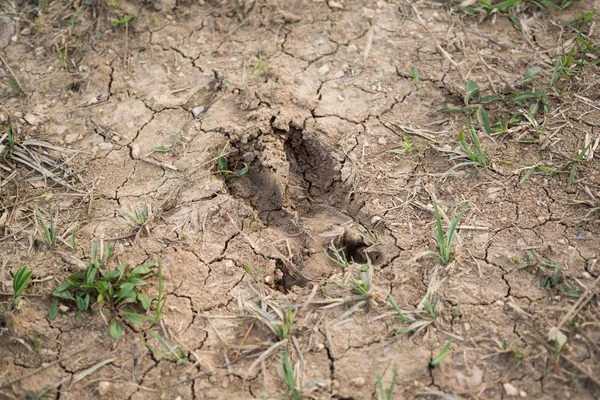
column 174, row 354
column 338, row 256
column 48, row 227
column 20, row 281
column 139, row 216
column 444, row 239
column 475, row 153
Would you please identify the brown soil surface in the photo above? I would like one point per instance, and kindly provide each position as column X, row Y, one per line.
column 317, row 100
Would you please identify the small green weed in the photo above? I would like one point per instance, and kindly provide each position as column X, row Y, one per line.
column 556, row 279
column 338, row 256
column 524, row 262
column 20, row 281
column 117, row 288
column 174, row 354
column 362, row 283
column 116, row 22
column 529, row 74
column 47, row 223
column 139, row 216
column 370, row 236
column 74, row 20
column 383, row 394
column 432, row 307
column 439, row 358
column 15, row 87
column 506, row 7
column 61, row 57
column 10, row 135
column 528, row 171
column 573, row 61
column 223, row 168
column 410, row 324
column 406, row 148
column 170, row 148
column 253, row 272
column 582, row 155
column 477, row 155
column 471, row 92
column 290, row 376
column 553, row 274
column 508, row 347
column 575, row 163
column 414, row 73
column 444, row 239
column 258, row 71
column 474, row 104
column 280, row 323
column 399, row 313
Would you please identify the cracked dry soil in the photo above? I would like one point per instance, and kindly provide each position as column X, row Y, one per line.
column 316, row 126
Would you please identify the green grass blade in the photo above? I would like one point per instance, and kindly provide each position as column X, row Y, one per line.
column 471, row 92
column 440, row 356
column 440, row 237
column 115, row 329
column 453, row 224
column 484, row 121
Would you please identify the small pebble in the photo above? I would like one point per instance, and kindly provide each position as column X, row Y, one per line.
column 60, row 129
column 335, row 4
column 135, row 151
column 352, row 48
column 382, row 140
column 26, row 32
column 18, row 114
column 338, row 74
column 510, row 389
column 499, row 303
column 105, row 146
column 71, row 138
column 324, row 69
column 103, row 388
column 63, row 309
column 197, row 111
column 248, row 157
column 358, row 382
column 31, row 119
column 522, row 393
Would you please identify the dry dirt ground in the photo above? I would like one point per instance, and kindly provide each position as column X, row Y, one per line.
column 321, row 102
